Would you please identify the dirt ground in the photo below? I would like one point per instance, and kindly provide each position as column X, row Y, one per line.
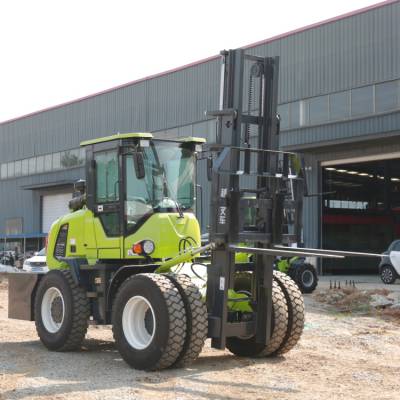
column 339, row 357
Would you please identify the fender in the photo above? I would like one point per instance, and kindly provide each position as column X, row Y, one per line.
column 120, row 277
column 74, row 265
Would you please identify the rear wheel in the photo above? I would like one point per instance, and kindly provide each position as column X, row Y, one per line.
column 388, row 274
column 61, row 311
column 149, row 322
column 306, row 277
column 196, row 319
column 248, row 347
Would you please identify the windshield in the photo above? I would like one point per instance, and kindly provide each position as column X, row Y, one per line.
column 41, row 252
column 168, row 185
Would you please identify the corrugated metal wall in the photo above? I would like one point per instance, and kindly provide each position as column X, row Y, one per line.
column 357, row 129
column 350, row 52
column 17, row 201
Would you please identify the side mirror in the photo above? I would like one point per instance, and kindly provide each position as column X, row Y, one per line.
column 138, row 163
column 80, row 186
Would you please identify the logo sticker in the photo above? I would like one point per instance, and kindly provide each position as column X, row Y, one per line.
column 222, row 215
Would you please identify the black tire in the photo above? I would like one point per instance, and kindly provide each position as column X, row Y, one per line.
column 70, row 329
column 292, row 272
column 247, row 347
column 306, row 278
column 295, row 302
column 166, row 331
column 388, row 274
column 196, row 319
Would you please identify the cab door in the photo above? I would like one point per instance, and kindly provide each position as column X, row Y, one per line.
column 107, row 202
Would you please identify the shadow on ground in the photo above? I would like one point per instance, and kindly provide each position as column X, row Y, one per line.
column 98, row 366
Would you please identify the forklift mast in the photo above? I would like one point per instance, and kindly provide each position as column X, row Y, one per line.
column 250, row 176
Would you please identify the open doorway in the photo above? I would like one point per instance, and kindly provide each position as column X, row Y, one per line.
column 360, row 211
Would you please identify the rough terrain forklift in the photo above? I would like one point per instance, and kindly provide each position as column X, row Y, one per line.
column 117, row 258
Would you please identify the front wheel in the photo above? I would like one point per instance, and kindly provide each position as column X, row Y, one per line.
column 388, row 274
column 248, row 347
column 61, row 311
column 149, row 322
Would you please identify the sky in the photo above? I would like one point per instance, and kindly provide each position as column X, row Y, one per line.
column 54, row 51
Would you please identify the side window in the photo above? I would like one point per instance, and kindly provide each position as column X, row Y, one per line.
column 106, row 176
column 107, row 190
column 110, row 223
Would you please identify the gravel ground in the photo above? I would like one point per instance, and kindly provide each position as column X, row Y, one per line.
column 338, row 357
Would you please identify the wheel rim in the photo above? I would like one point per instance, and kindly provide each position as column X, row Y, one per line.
column 307, row 278
column 53, row 310
column 138, row 322
column 387, row 275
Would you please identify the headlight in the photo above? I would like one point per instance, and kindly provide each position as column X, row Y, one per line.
column 143, row 248
column 148, row 246
column 26, row 263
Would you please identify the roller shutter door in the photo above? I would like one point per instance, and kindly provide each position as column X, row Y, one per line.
column 53, row 207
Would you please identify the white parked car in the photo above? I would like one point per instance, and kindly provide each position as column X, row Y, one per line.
column 37, row 263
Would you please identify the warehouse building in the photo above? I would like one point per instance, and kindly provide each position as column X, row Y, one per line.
column 339, row 102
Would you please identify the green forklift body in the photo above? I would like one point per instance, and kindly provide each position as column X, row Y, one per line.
column 123, row 208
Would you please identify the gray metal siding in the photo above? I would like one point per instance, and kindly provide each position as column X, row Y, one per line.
column 359, row 128
column 18, row 202
column 347, row 53
column 350, row 52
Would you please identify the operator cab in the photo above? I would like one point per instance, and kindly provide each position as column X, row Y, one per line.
column 133, row 176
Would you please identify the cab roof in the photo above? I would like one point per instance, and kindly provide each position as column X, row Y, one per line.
column 140, row 135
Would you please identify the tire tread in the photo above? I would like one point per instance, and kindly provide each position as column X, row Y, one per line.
column 196, row 319
column 80, row 316
column 295, row 302
column 280, row 321
column 176, row 318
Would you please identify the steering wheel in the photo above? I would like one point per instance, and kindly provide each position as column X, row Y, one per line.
column 135, row 198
